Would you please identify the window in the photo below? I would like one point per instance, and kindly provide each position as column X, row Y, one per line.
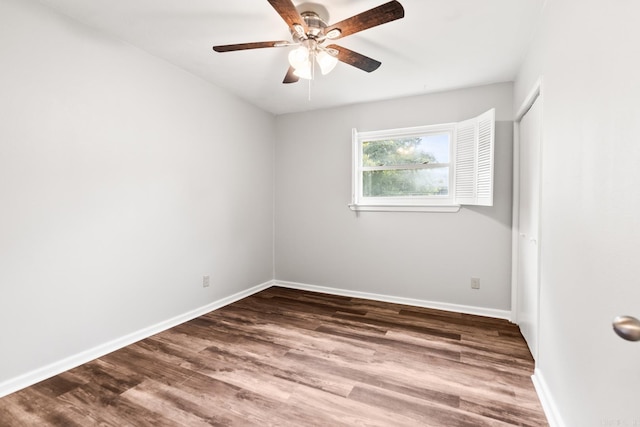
column 426, row 168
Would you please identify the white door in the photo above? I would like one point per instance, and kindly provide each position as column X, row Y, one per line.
column 528, row 226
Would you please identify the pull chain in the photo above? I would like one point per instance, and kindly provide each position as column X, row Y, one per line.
column 312, row 56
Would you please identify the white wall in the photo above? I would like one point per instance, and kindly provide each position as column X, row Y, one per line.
column 123, row 180
column 424, row 256
column 587, row 53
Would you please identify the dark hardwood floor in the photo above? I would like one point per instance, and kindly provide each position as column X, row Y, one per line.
column 293, row 358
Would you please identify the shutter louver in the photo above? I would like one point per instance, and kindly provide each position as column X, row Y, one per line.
column 484, row 184
column 465, row 162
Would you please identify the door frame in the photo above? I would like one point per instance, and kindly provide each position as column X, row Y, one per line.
column 535, row 94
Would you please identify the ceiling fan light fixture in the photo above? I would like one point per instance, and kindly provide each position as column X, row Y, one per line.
column 304, row 71
column 298, row 57
column 326, row 61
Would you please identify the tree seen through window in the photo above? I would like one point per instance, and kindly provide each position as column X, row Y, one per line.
column 416, row 166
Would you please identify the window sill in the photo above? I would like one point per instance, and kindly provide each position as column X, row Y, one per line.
column 404, row 208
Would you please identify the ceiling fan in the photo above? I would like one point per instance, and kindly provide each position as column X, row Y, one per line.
column 313, row 38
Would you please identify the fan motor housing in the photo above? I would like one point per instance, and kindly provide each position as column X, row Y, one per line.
column 320, row 10
column 315, row 26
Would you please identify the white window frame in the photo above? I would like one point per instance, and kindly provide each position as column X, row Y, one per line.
column 471, row 167
column 400, row 202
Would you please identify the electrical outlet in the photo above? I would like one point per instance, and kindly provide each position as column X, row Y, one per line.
column 475, row 283
column 205, row 281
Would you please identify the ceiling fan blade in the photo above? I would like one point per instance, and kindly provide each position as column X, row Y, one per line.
column 287, row 10
column 371, row 18
column 254, row 45
column 355, row 59
column 290, row 77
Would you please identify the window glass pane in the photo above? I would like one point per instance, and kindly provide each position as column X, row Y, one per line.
column 431, row 148
column 402, row 182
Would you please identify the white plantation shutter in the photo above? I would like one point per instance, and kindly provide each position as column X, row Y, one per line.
column 474, row 160
column 484, row 180
column 465, row 166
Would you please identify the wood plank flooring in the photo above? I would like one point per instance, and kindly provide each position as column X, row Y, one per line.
column 292, row 358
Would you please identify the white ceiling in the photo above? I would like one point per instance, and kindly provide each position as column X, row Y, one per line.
column 438, row 45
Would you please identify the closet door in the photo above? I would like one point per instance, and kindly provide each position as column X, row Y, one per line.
column 528, row 231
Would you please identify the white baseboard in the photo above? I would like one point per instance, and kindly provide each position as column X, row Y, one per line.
column 33, row 377
column 480, row 311
column 546, row 400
